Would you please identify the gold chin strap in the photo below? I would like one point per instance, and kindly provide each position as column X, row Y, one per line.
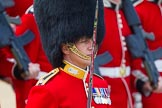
column 74, row 49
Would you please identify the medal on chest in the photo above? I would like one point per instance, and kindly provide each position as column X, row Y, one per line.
column 100, row 95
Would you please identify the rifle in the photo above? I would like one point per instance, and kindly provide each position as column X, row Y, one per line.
column 137, row 44
column 8, row 38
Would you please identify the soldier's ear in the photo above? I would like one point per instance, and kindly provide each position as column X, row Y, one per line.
column 65, row 49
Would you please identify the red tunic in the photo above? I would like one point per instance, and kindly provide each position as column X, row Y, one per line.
column 113, row 44
column 67, row 88
column 151, row 19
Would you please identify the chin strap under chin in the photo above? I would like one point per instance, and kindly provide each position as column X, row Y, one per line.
column 75, row 50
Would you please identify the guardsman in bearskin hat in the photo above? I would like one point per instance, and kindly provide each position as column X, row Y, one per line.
column 66, row 28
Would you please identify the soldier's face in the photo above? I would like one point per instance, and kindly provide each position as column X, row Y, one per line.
column 85, row 47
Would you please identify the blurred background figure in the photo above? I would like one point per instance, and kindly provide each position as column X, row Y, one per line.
column 39, row 63
column 149, row 12
column 117, row 72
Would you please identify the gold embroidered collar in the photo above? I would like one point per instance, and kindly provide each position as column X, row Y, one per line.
column 74, row 70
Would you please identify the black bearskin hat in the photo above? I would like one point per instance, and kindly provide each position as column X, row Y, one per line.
column 66, row 21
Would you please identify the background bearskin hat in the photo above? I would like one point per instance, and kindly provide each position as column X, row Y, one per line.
column 66, row 21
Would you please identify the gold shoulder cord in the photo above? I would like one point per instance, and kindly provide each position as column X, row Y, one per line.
column 47, row 77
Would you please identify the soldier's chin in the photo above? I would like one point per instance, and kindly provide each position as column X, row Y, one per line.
column 88, row 61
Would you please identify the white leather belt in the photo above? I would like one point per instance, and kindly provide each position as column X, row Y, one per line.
column 158, row 64
column 114, row 72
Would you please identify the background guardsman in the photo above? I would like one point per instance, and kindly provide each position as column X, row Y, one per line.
column 118, row 71
column 33, row 49
column 66, row 28
column 149, row 12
